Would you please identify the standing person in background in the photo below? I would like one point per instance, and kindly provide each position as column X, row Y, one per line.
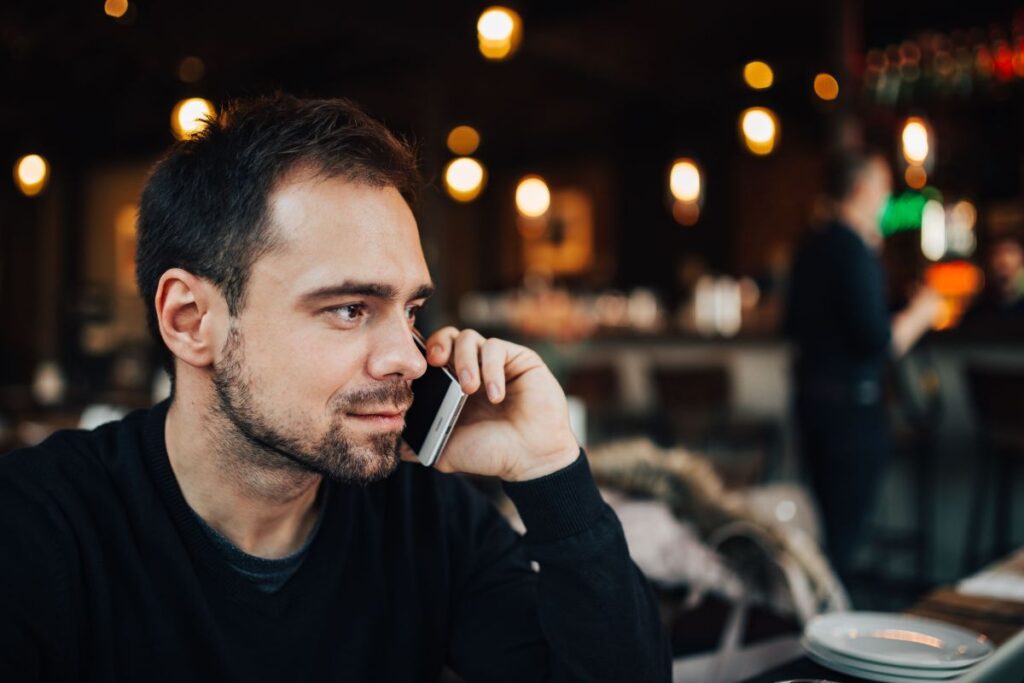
column 839, row 322
column 1002, row 300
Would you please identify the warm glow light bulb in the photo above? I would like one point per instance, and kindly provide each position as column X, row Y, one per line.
column 190, row 117
column 826, row 87
column 496, row 24
column 498, row 31
column 31, row 173
column 915, row 141
column 684, row 180
column 760, row 129
column 115, row 8
column 916, row 177
column 533, row 197
column 758, row 126
column 464, row 179
column 463, row 140
column 758, row 75
column 32, row 169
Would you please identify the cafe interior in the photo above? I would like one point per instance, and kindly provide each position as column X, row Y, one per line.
column 624, row 187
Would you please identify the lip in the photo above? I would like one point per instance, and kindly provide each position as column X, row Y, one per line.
column 384, row 420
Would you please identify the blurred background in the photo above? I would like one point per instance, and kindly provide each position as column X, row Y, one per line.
column 621, row 185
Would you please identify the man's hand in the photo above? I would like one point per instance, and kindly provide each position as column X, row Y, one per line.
column 515, row 424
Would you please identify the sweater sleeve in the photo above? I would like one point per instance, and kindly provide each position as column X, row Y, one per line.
column 588, row 614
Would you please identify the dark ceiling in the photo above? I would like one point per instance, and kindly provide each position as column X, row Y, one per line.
column 79, row 84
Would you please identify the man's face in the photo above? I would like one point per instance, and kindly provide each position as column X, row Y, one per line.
column 877, row 186
column 319, row 361
column 1006, row 261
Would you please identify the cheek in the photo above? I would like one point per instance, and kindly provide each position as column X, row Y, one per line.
column 306, row 366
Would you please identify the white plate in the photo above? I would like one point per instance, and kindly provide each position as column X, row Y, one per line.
column 838, row 667
column 897, row 639
column 833, row 659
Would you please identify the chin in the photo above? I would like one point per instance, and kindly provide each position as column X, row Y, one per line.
column 368, row 464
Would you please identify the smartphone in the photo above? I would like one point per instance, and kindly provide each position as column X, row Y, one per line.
column 436, row 404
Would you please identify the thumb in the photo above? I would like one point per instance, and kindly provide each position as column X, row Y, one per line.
column 406, row 452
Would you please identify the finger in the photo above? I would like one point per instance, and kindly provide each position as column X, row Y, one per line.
column 493, row 355
column 439, row 345
column 442, row 466
column 406, row 453
column 466, row 357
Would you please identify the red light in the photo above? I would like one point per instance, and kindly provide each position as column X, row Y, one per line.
column 1004, row 63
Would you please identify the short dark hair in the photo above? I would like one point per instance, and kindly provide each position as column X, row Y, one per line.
column 1013, row 237
column 843, row 169
column 204, row 206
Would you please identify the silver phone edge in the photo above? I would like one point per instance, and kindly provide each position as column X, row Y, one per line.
column 434, row 443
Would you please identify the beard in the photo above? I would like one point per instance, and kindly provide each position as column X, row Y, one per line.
column 336, row 453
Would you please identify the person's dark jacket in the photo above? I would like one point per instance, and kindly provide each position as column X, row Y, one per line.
column 107, row 575
column 837, row 315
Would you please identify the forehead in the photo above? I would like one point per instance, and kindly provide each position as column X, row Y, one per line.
column 328, row 230
column 1007, row 249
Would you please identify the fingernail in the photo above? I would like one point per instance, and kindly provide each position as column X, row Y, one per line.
column 466, row 377
column 492, row 391
column 436, row 350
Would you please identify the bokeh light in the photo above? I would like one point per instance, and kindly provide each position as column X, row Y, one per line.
column 115, row 8
column 760, row 128
column 916, row 177
column 957, row 282
column 758, row 75
column 965, row 214
column 31, row 173
column 499, row 32
column 686, row 213
column 533, row 196
column 190, row 116
column 464, row 179
column 463, row 140
column 916, row 140
column 826, row 86
column 933, row 231
column 685, row 180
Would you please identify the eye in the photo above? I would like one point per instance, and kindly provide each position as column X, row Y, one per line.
column 412, row 311
column 349, row 313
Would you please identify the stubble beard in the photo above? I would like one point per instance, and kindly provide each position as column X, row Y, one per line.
column 274, row 453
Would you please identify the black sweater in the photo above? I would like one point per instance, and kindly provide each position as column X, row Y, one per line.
column 106, row 575
column 836, row 313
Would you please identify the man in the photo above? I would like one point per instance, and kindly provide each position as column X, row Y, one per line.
column 259, row 525
column 838, row 320
column 1001, row 304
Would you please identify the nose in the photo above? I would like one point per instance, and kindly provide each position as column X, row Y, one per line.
column 395, row 354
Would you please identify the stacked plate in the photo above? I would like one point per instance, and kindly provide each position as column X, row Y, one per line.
column 892, row 648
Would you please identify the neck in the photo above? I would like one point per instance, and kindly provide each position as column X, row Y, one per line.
column 264, row 506
column 864, row 225
column 1014, row 289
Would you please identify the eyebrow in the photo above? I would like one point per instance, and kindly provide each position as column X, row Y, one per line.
column 377, row 290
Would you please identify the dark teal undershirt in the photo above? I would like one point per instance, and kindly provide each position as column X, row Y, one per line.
column 268, row 575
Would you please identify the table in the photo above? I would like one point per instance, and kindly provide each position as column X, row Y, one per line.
column 964, row 604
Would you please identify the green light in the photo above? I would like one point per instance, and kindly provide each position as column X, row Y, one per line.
column 904, row 212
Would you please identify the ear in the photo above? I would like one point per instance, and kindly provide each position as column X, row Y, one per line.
column 192, row 316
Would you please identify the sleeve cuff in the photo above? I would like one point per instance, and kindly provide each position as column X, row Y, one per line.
column 558, row 505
